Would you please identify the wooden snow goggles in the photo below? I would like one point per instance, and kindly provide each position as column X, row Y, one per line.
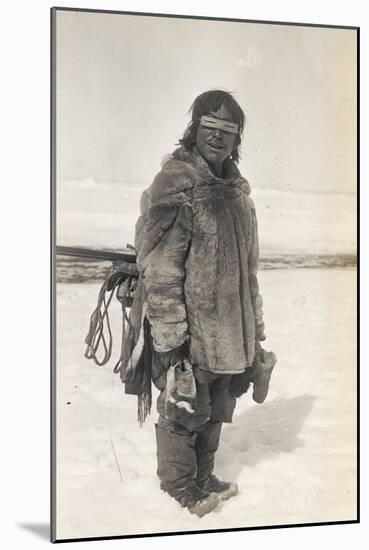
column 219, row 124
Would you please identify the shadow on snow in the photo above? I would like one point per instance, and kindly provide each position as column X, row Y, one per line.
column 263, row 432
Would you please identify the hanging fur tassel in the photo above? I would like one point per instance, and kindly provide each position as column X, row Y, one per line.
column 143, row 407
column 144, row 399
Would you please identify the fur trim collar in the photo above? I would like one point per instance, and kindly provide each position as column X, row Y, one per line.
column 204, row 174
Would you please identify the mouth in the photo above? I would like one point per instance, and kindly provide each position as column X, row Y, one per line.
column 215, row 147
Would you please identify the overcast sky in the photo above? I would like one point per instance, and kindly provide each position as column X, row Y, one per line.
column 125, row 83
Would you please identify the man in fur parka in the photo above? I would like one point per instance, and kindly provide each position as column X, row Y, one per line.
column 197, row 302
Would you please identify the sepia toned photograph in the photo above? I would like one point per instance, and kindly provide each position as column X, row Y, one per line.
column 204, row 235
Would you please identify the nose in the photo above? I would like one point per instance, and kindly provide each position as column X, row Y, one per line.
column 217, row 133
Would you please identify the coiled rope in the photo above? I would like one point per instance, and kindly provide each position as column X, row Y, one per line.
column 99, row 339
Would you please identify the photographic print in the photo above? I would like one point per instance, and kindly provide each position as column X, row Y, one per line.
column 204, row 219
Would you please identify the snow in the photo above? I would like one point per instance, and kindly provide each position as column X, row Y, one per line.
column 293, row 457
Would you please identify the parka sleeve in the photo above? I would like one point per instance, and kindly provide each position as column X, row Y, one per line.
column 257, row 300
column 163, row 244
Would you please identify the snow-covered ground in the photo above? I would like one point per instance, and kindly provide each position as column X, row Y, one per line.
column 294, row 457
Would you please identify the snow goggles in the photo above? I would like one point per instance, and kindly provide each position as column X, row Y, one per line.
column 219, row 124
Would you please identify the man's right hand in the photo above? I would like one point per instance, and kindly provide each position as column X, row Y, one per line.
column 169, row 358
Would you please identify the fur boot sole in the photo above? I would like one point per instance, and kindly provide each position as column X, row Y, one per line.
column 205, row 506
column 232, row 491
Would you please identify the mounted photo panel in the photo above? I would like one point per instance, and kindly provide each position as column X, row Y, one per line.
column 204, row 317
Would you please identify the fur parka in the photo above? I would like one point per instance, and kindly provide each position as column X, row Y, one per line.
column 197, row 247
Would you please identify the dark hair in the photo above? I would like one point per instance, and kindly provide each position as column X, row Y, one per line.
column 212, row 101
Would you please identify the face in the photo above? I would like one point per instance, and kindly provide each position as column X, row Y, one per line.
column 215, row 145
